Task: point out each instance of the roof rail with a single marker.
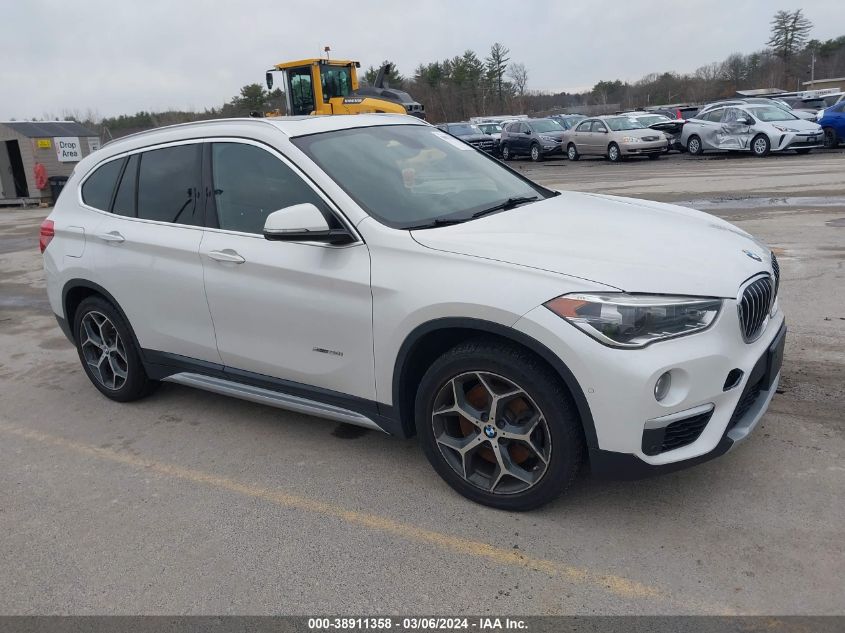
(186, 124)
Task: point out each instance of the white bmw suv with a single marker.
(376, 271)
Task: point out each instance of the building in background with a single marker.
(56, 145)
(833, 84)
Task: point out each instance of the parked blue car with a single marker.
(833, 124)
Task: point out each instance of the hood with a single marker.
(632, 245)
(475, 138)
(670, 127)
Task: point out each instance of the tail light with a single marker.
(47, 233)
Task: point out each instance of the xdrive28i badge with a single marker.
(753, 255)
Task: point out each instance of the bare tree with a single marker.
(518, 74)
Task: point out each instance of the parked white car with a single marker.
(376, 271)
(759, 129)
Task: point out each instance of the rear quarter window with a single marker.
(98, 187)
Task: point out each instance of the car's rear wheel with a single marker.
(694, 146)
(831, 140)
(572, 152)
(498, 426)
(760, 145)
(506, 152)
(535, 153)
(108, 354)
(614, 153)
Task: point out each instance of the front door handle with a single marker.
(112, 236)
(226, 255)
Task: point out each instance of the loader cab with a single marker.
(311, 84)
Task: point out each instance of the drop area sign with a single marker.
(68, 149)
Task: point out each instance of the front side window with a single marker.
(598, 126)
(414, 175)
(584, 126)
(99, 186)
(336, 81)
(168, 184)
(250, 183)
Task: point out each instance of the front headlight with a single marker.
(634, 321)
(631, 139)
(548, 139)
(784, 129)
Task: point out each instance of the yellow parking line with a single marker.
(611, 583)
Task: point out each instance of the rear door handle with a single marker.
(112, 236)
(226, 255)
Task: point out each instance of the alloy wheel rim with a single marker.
(535, 152)
(614, 153)
(693, 146)
(491, 432)
(506, 152)
(760, 146)
(572, 153)
(103, 350)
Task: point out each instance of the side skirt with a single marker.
(274, 392)
(273, 399)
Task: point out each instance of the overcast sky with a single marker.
(117, 57)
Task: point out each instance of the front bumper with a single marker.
(618, 388)
(801, 140)
(551, 148)
(643, 149)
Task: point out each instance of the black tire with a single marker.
(135, 384)
(614, 153)
(572, 152)
(694, 145)
(831, 139)
(506, 152)
(535, 153)
(760, 146)
(540, 384)
(804, 150)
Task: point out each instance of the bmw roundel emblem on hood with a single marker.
(753, 255)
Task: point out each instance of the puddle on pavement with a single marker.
(836, 222)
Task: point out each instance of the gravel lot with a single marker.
(191, 503)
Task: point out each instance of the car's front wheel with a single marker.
(694, 146)
(536, 154)
(498, 426)
(108, 354)
(506, 152)
(760, 145)
(831, 141)
(613, 153)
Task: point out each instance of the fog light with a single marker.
(661, 387)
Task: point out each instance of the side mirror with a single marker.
(303, 223)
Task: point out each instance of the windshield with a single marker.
(771, 113)
(617, 124)
(545, 125)
(490, 128)
(831, 100)
(463, 129)
(413, 175)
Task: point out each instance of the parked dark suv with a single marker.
(536, 138)
(472, 134)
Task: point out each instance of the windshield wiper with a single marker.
(510, 203)
(437, 222)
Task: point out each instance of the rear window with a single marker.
(168, 185)
(98, 188)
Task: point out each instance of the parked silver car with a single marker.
(616, 137)
(758, 129)
(807, 115)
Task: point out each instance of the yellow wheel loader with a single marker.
(322, 86)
